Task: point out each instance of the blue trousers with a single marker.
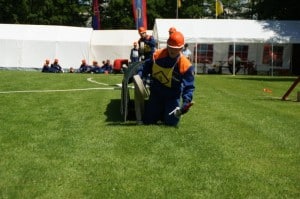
(158, 109)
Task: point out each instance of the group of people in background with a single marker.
(106, 67)
(52, 68)
(84, 67)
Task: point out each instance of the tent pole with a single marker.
(176, 9)
(272, 61)
(233, 59)
(196, 59)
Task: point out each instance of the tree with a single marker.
(117, 15)
(276, 9)
(54, 12)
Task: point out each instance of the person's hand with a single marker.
(186, 107)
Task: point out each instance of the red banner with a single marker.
(96, 15)
(140, 13)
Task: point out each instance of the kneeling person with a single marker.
(171, 83)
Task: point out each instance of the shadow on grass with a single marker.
(270, 79)
(114, 116)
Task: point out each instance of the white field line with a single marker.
(93, 81)
(118, 85)
(66, 90)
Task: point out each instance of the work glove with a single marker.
(186, 107)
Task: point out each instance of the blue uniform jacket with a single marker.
(176, 82)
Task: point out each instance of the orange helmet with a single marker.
(172, 30)
(176, 40)
(142, 30)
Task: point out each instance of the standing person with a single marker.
(186, 52)
(146, 44)
(134, 53)
(171, 85)
(46, 66)
(55, 67)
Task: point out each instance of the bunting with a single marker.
(140, 13)
(96, 15)
(219, 8)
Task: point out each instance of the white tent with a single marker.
(229, 30)
(233, 31)
(113, 44)
(27, 46)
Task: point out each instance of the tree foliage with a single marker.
(118, 14)
(276, 9)
(54, 12)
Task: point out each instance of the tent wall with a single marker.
(255, 53)
(113, 44)
(27, 46)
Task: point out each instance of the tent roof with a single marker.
(68, 33)
(229, 30)
(115, 37)
(44, 33)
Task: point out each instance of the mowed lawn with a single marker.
(62, 136)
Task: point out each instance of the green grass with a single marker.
(236, 142)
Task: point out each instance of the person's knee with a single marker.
(171, 120)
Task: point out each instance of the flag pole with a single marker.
(216, 10)
(176, 9)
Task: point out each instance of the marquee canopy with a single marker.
(112, 44)
(229, 30)
(27, 46)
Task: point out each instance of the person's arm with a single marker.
(150, 41)
(188, 89)
(131, 54)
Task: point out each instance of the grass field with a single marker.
(237, 141)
